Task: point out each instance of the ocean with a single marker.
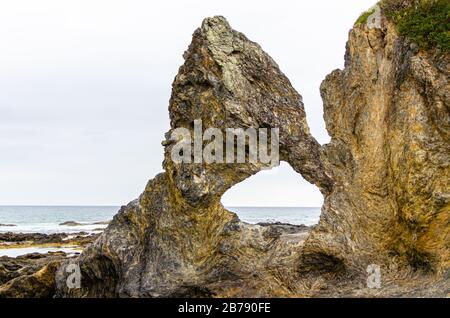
(48, 219)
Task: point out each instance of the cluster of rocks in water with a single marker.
(33, 274)
(36, 239)
(74, 223)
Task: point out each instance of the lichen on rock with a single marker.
(387, 114)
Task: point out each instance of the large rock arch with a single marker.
(178, 240)
(177, 236)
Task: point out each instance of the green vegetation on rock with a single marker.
(425, 22)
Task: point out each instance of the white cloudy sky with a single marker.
(84, 90)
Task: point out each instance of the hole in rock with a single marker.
(277, 195)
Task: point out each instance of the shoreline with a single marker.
(41, 243)
(19, 244)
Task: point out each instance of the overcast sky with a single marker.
(85, 85)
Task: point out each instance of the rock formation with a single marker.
(384, 176)
(388, 116)
(177, 239)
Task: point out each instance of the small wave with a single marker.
(52, 228)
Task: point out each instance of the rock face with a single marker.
(384, 177)
(11, 239)
(388, 115)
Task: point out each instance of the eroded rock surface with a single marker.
(384, 177)
(30, 275)
(388, 115)
(177, 239)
